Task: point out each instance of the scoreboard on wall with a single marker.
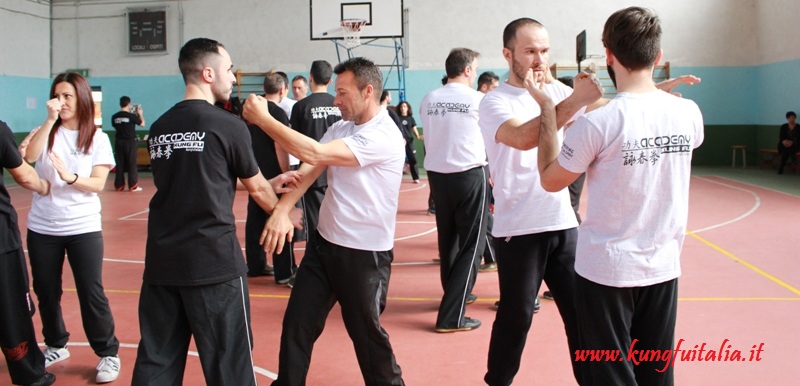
(147, 31)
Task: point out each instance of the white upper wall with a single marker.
(779, 30)
(25, 43)
(263, 34)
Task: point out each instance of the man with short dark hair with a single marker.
(299, 87)
(24, 360)
(312, 117)
(125, 144)
(455, 160)
(628, 250)
(488, 81)
(349, 259)
(788, 140)
(194, 283)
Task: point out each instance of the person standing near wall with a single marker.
(75, 157)
(406, 115)
(456, 164)
(125, 145)
(628, 252)
(788, 140)
(17, 336)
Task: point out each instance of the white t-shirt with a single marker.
(360, 206)
(521, 205)
(636, 152)
(67, 210)
(453, 141)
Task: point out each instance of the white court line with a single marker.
(124, 261)
(752, 210)
(421, 186)
(128, 217)
(259, 370)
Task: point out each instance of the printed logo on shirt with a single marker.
(358, 138)
(324, 112)
(166, 144)
(122, 120)
(441, 108)
(651, 149)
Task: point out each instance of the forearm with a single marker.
(86, 183)
(27, 178)
(548, 137)
(303, 147)
(38, 141)
(264, 196)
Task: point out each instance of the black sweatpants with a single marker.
(358, 280)
(461, 209)
(217, 315)
(256, 258)
(85, 255)
(17, 337)
(125, 155)
(611, 318)
(411, 158)
(312, 201)
(522, 263)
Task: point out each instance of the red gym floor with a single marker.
(740, 287)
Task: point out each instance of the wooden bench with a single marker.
(771, 159)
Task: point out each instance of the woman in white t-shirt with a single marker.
(76, 158)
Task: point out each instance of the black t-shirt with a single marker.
(312, 116)
(9, 159)
(408, 123)
(396, 119)
(125, 124)
(264, 145)
(197, 152)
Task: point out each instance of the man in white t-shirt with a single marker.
(534, 231)
(349, 260)
(456, 163)
(636, 152)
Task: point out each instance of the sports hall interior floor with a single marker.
(740, 287)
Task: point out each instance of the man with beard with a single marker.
(194, 271)
(636, 152)
(534, 231)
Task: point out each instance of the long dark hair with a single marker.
(409, 112)
(85, 110)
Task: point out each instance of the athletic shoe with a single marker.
(54, 354)
(108, 369)
(468, 325)
(490, 267)
(547, 295)
(416, 181)
(290, 283)
(137, 189)
(471, 298)
(46, 380)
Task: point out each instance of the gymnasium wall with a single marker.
(745, 51)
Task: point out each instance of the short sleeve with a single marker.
(375, 144)
(102, 155)
(8, 148)
(580, 147)
(493, 112)
(241, 157)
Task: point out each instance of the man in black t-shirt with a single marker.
(272, 160)
(312, 116)
(124, 123)
(17, 335)
(194, 271)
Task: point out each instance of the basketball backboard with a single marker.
(384, 18)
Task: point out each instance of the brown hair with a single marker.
(633, 35)
(85, 110)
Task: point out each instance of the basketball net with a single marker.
(352, 32)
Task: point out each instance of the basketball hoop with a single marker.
(352, 32)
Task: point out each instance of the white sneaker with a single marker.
(108, 369)
(137, 189)
(54, 354)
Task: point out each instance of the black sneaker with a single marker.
(46, 380)
(471, 298)
(468, 325)
(547, 295)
